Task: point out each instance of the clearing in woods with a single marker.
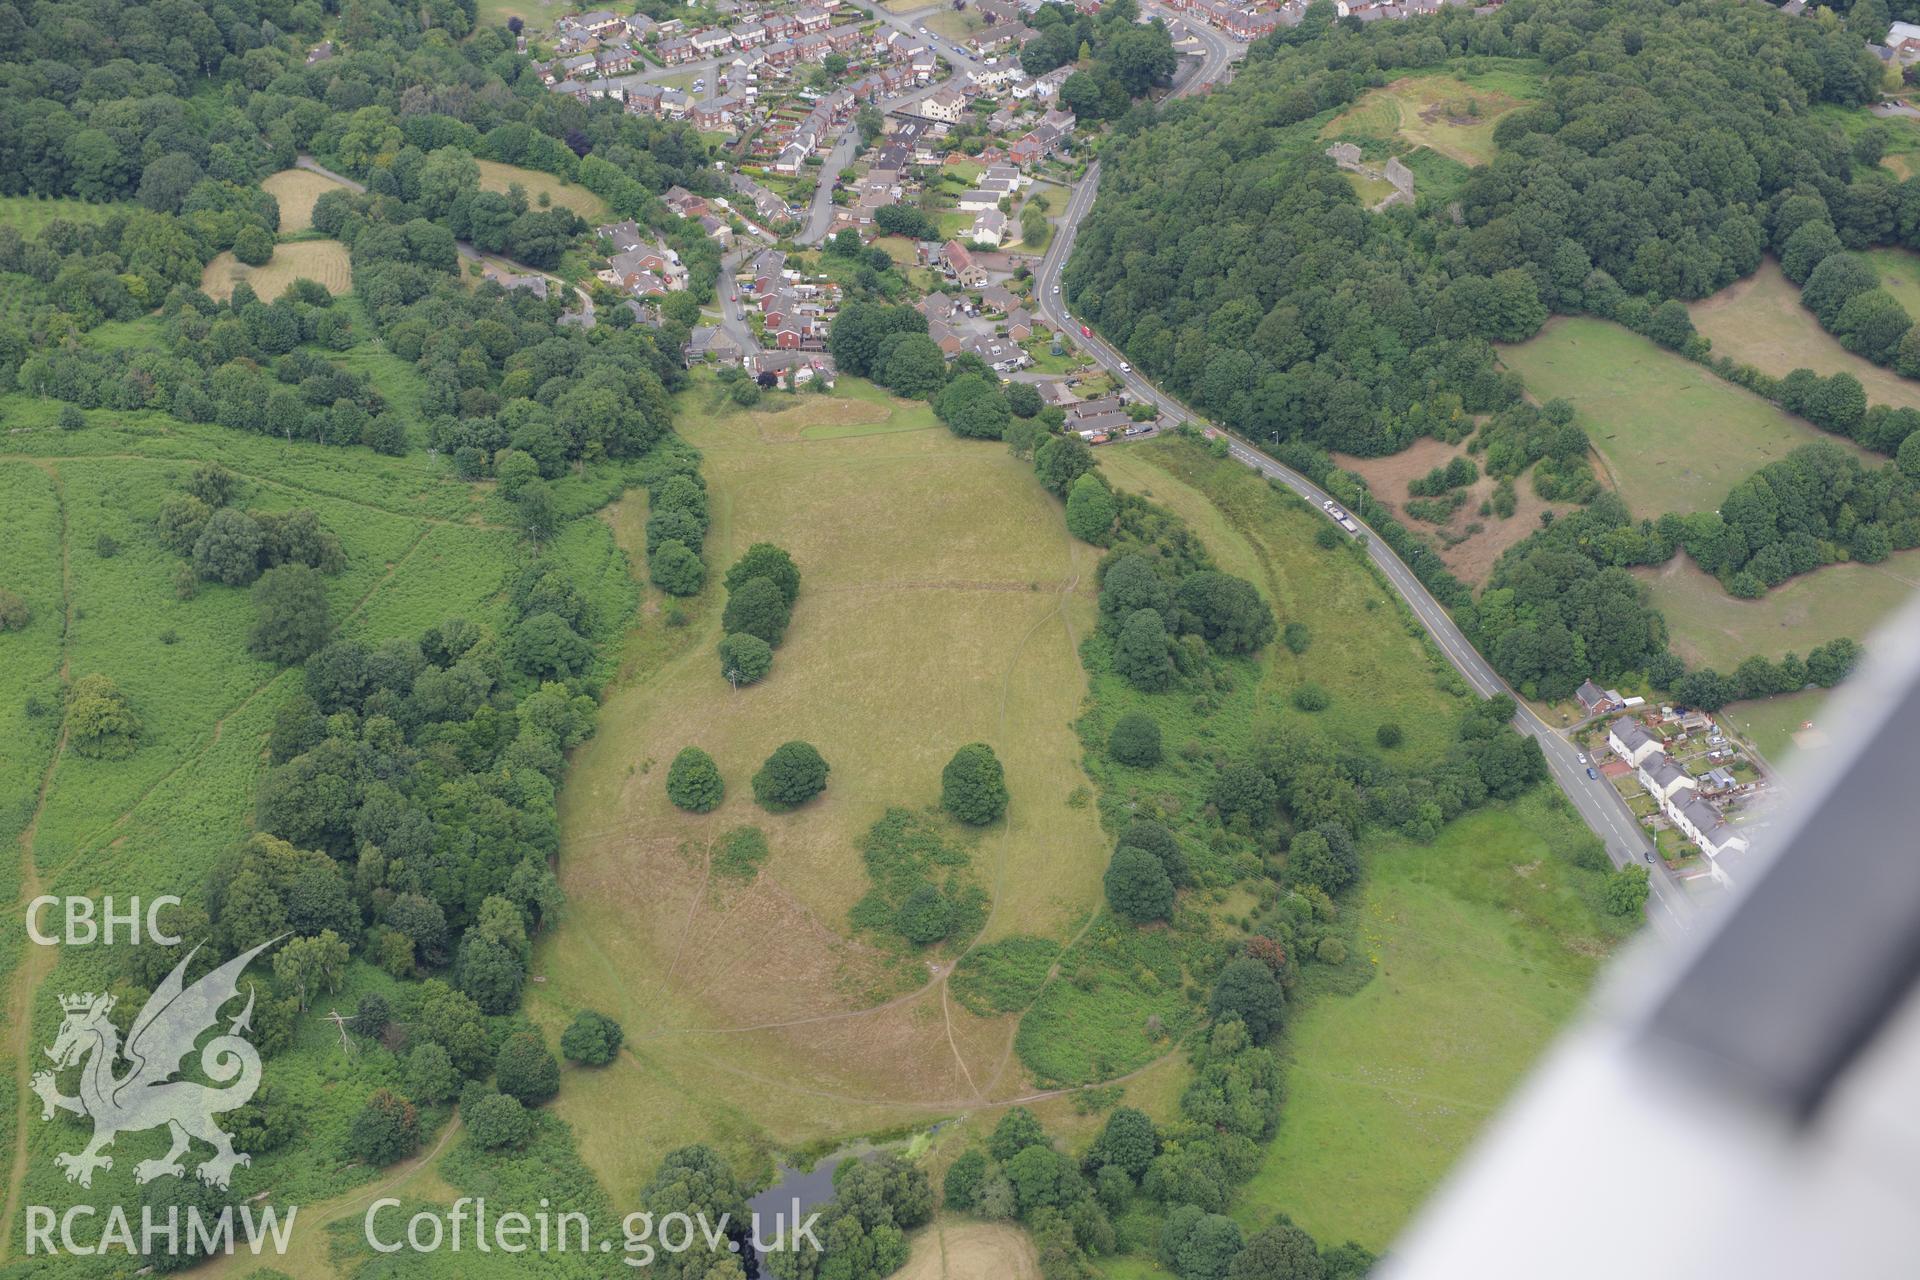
(322, 261)
(942, 603)
(1674, 436)
(1759, 321)
(1454, 116)
(1712, 628)
(495, 176)
(957, 1249)
(296, 190)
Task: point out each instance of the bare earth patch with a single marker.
(1471, 559)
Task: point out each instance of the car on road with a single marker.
(921, 30)
(1056, 288)
(1593, 773)
(1125, 367)
(1085, 332)
(1583, 757)
(1647, 854)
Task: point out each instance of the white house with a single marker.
(1664, 779)
(945, 106)
(1630, 740)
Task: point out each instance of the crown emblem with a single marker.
(84, 1001)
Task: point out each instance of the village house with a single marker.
(614, 60)
(1903, 41)
(717, 230)
(683, 202)
(767, 206)
(710, 43)
(978, 201)
(944, 105)
(1000, 354)
(1631, 741)
(959, 263)
(990, 228)
(710, 342)
(1664, 777)
(533, 284)
(675, 51)
(1045, 85)
(998, 298)
(636, 263)
(1594, 700)
(995, 80)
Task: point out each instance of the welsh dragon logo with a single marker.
(146, 1096)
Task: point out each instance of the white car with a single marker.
(1056, 288)
(1583, 757)
(1125, 367)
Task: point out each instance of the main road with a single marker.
(1669, 907)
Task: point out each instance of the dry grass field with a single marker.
(323, 261)
(495, 176)
(1454, 117)
(943, 602)
(961, 1250)
(296, 190)
(1759, 321)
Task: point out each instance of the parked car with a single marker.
(1085, 332)
(1591, 773)
(1583, 757)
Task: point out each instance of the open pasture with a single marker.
(1673, 436)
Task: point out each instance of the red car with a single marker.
(1085, 332)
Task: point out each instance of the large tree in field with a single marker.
(764, 560)
(794, 774)
(693, 781)
(973, 786)
(757, 607)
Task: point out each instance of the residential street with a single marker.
(1669, 907)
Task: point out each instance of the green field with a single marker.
(1711, 628)
(417, 552)
(1783, 727)
(1361, 652)
(1673, 436)
(28, 214)
(1759, 321)
(1484, 944)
